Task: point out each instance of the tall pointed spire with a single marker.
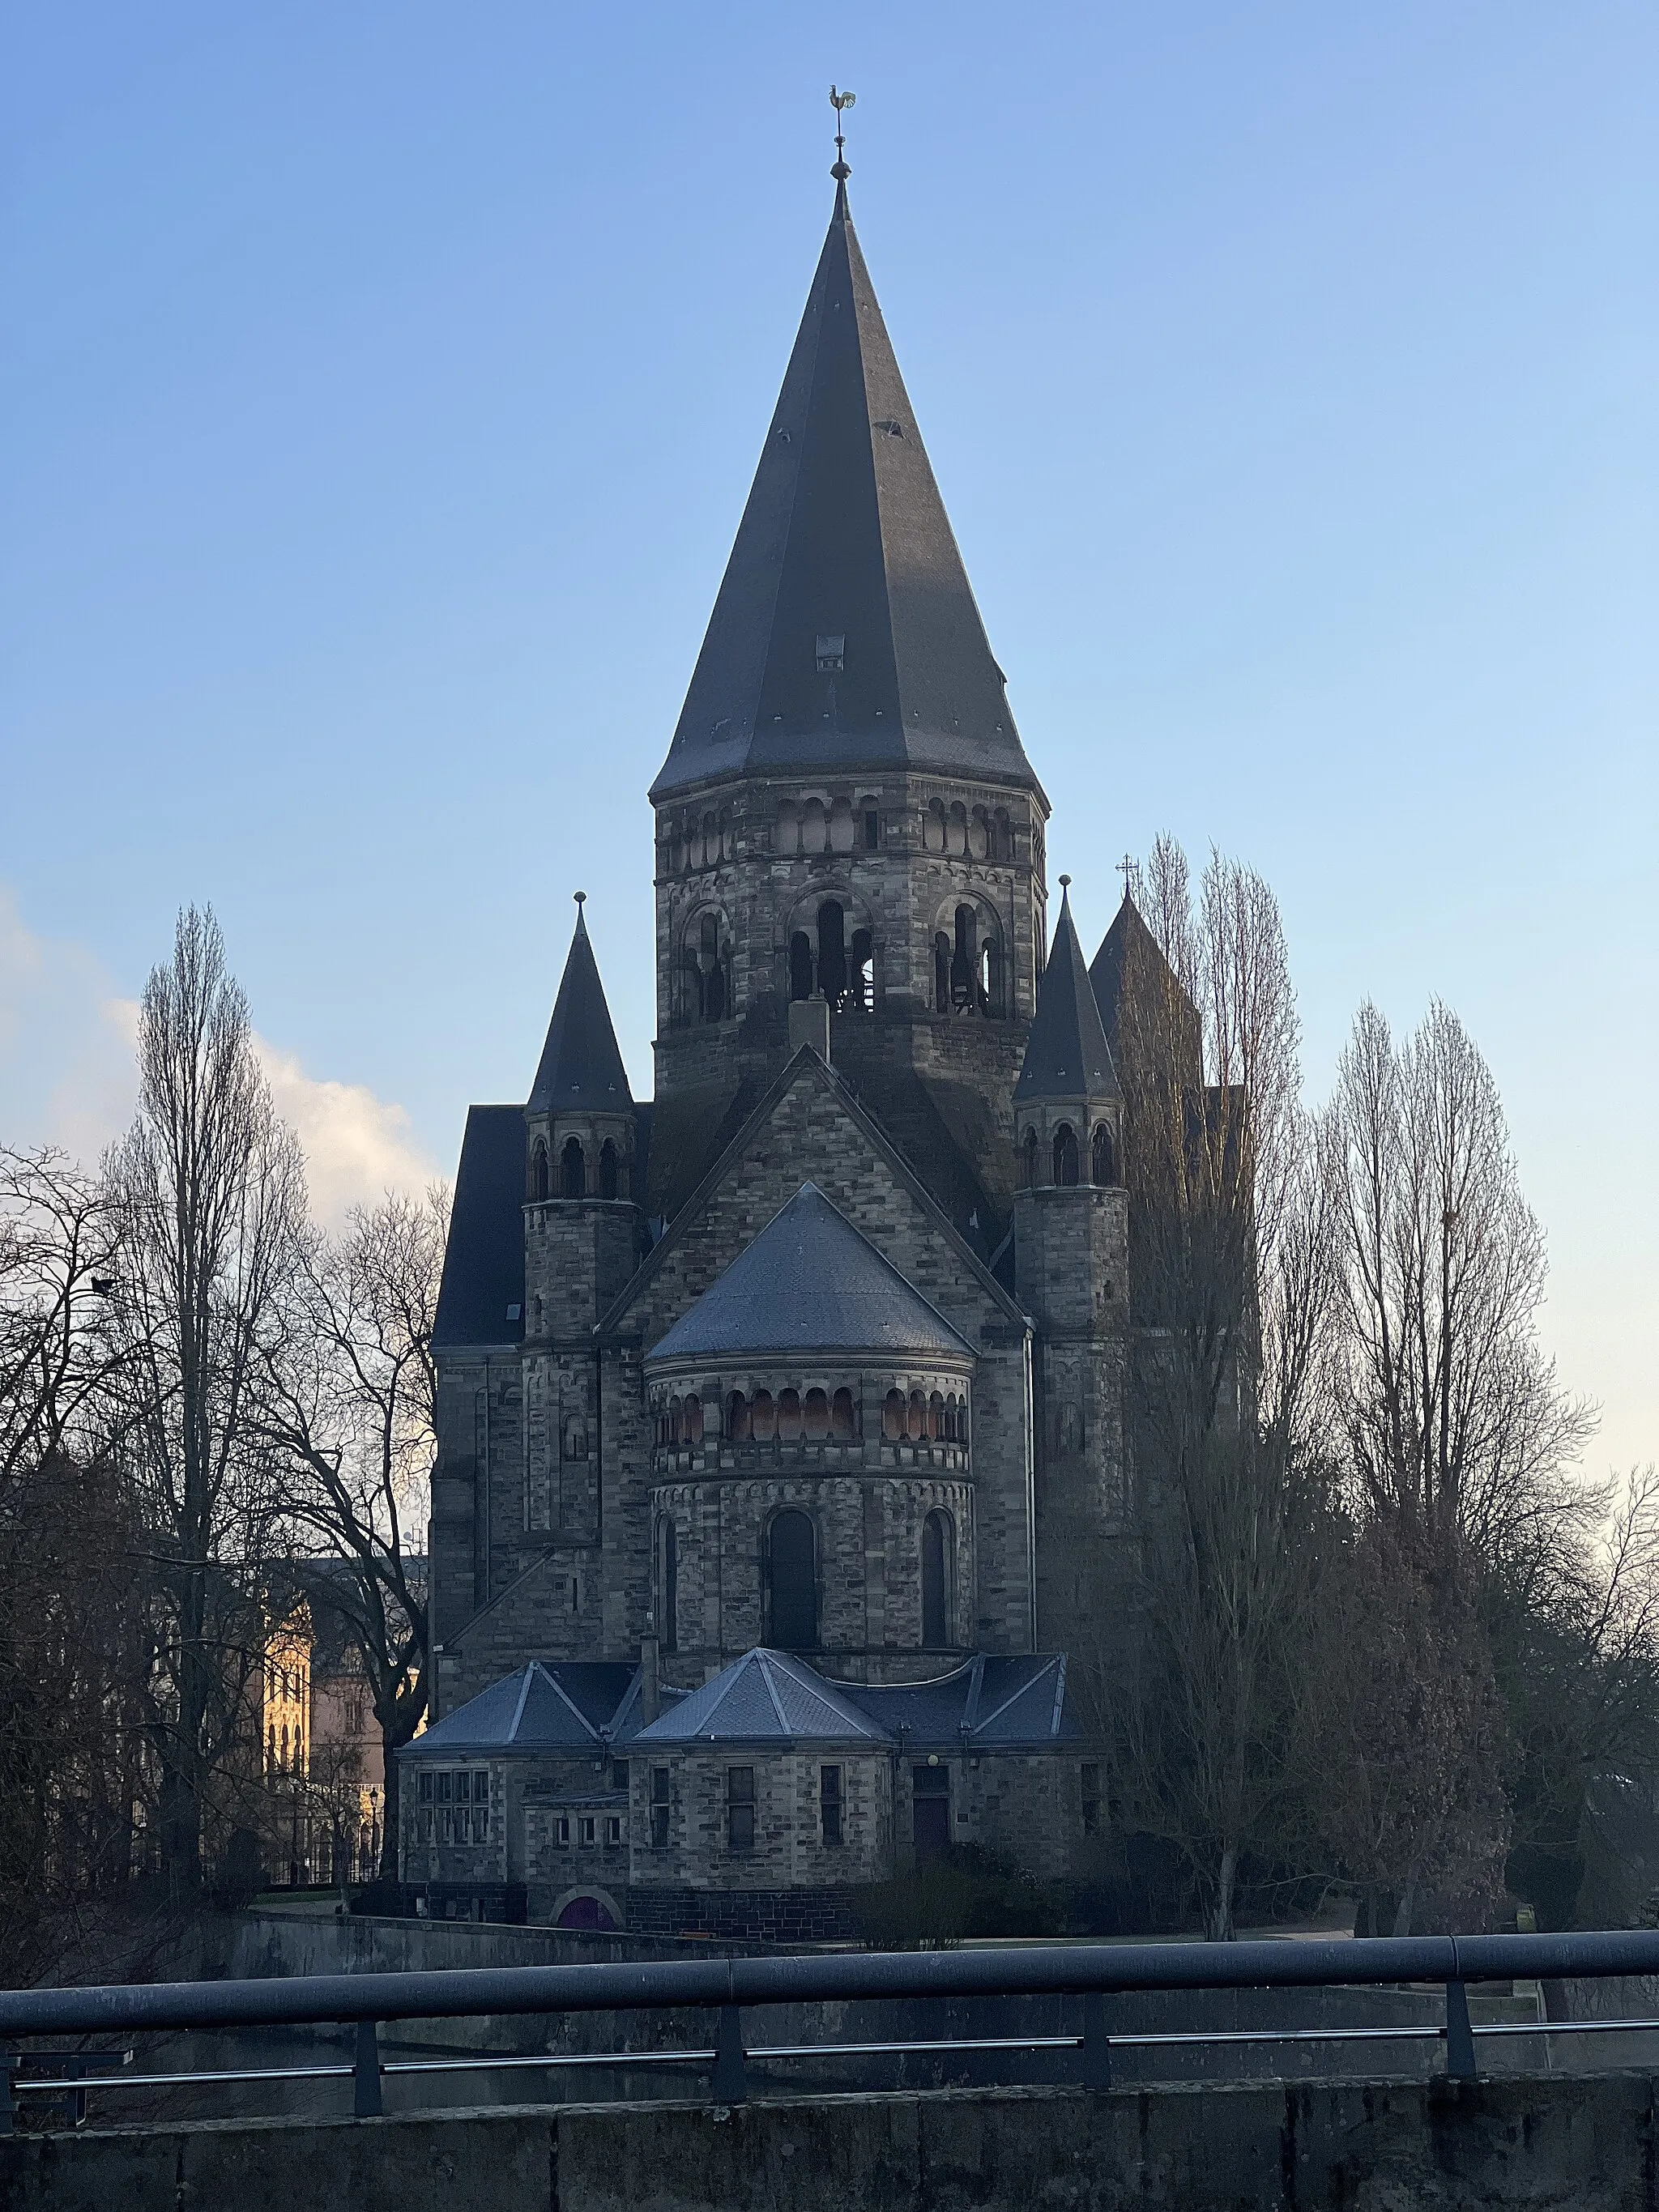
(845, 635)
(1066, 1055)
(1129, 954)
(581, 1066)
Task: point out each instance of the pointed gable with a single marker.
(809, 1281)
(1127, 949)
(581, 1067)
(1066, 1055)
(845, 633)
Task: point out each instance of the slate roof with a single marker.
(579, 1706)
(484, 1264)
(1066, 1055)
(1128, 942)
(844, 555)
(810, 1282)
(580, 1064)
(766, 1697)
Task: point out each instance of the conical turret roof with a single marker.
(845, 635)
(1066, 1055)
(581, 1066)
(810, 1282)
(1129, 946)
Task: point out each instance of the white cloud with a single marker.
(67, 1076)
(357, 1146)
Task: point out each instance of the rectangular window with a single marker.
(445, 1788)
(740, 1808)
(659, 1806)
(830, 1802)
(445, 1825)
(481, 1806)
(426, 1789)
(585, 1828)
(930, 1810)
(1090, 1775)
(562, 1830)
(872, 831)
(612, 1830)
(426, 1823)
(463, 1789)
(619, 1774)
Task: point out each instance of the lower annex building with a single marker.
(781, 1421)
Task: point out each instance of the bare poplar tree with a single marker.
(1230, 1252)
(351, 1406)
(211, 1191)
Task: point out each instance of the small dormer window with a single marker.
(888, 429)
(832, 654)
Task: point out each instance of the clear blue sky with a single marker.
(381, 386)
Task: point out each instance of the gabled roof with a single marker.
(766, 1697)
(1128, 944)
(804, 1067)
(845, 633)
(480, 1297)
(580, 1064)
(583, 1706)
(810, 1282)
(1066, 1055)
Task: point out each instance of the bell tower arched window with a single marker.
(610, 1170)
(1065, 1160)
(964, 959)
(832, 951)
(669, 1567)
(800, 965)
(538, 1170)
(792, 1581)
(1028, 1160)
(573, 1170)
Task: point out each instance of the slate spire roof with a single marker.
(1066, 1055)
(845, 635)
(581, 1066)
(810, 1282)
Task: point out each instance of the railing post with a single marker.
(731, 2062)
(1460, 2036)
(366, 2073)
(1097, 2055)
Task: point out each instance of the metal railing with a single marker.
(729, 1987)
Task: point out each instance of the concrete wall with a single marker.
(1588, 2144)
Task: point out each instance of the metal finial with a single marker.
(1126, 868)
(581, 897)
(839, 101)
(1065, 882)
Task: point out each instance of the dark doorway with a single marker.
(930, 1788)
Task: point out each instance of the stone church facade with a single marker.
(778, 1416)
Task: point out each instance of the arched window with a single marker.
(1002, 843)
(675, 1415)
(737, 1418)
(763, 1418)
(539, 1175)
(789, 1420)
(1029, 1160)
(1101, 1164)
(573, 1168)
(915, 1417)
(669, 1607)
(955, 829)
(932, 827)
(936, 1565)
(800, 965)
(941, 974)
(841, 1414)
(861, 985)
(792, 1581)
(832, 951)
(712, 967)
(693, 1420)
(1068, 1431)
(817, 1412)
(936, 1416)
(892, 1416)
(964, 959)
(990, 978)
(786, 838)
(979, 834)
(1066, 1154)
(610, 1170)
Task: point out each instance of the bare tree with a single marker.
(59, 1253)
(1457, 1427)
(351, 1405)
(1229, 1253)
(212, 1192)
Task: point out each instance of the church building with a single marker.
(779, 1415)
